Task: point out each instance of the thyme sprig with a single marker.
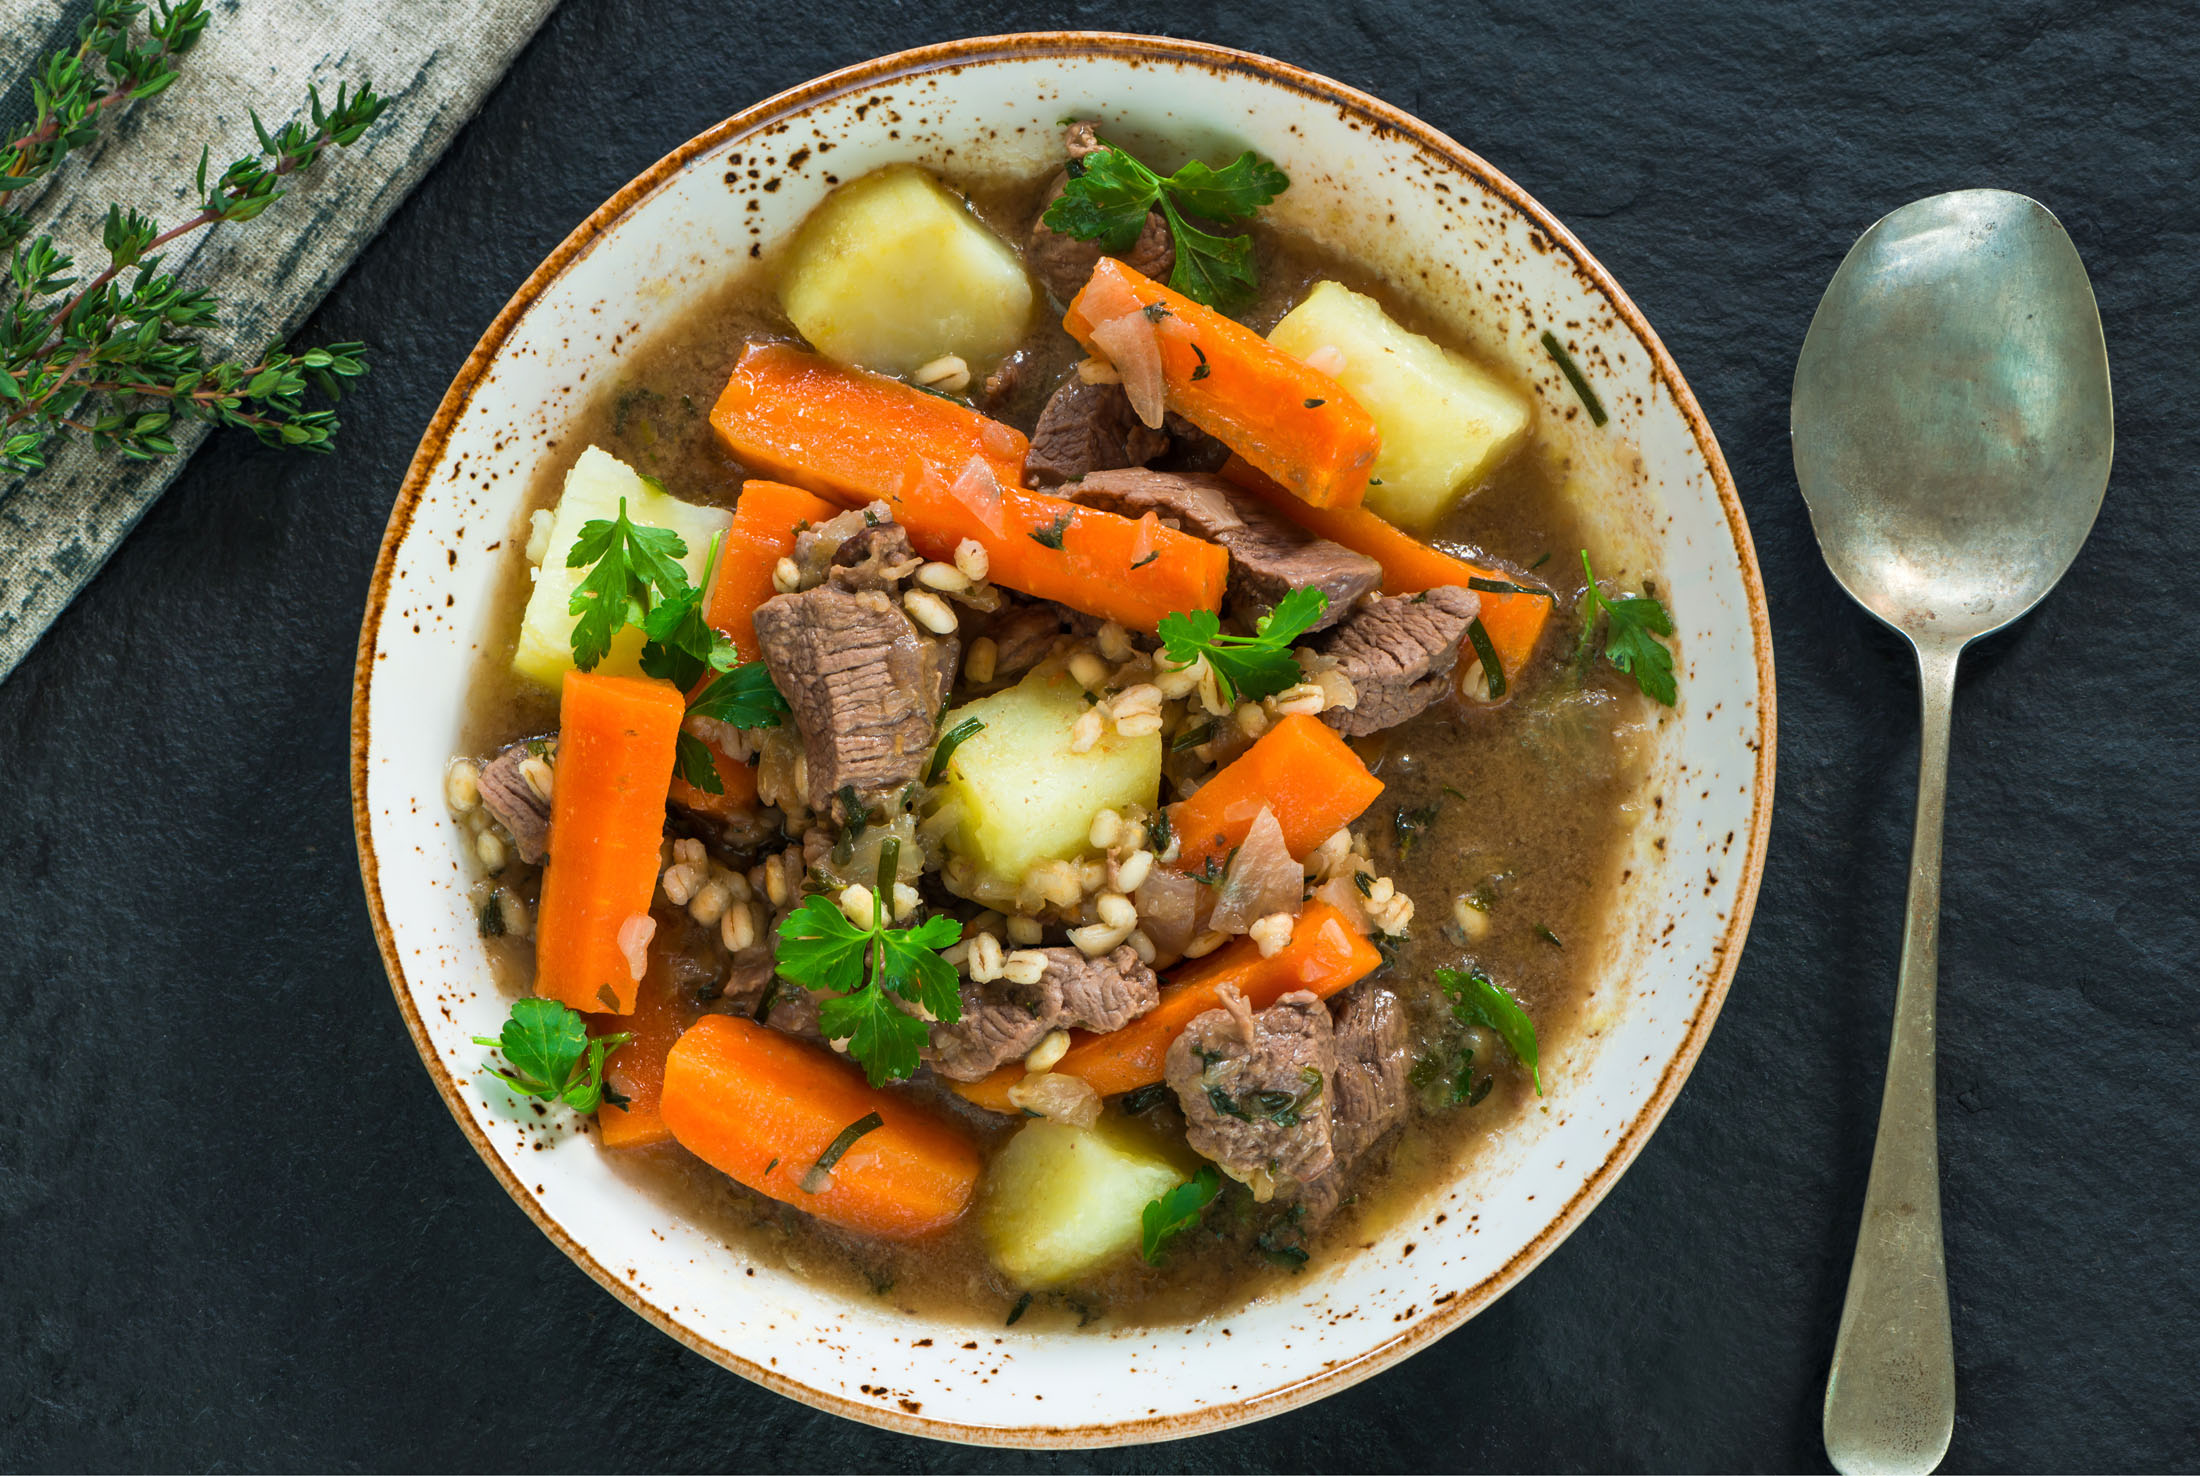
(105, 356)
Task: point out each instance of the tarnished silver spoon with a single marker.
(1952, 432)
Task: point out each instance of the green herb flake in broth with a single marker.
(1015, 1313)
(1476, 1000)
(1146, 1098)
(1169, 1215)
(1547, 935)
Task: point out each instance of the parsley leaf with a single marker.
(547, 1045)
(1248, 667)
(631, 560)
(742, 695)
(1175, 1212)
(1476, 1000)
(1632, 624)
(819, 948)
(1109, 193)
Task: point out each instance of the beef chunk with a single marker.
(875, 556)
(1062, 263)
(1269, 555)
(1001, 1021)
(1399, 653)
(1023, 634)
(1373, 1057)
(1101, 994)
(865, 684)
(793, 1010)
(512, 802)
(1190, 448)
(1255, 1091)
(1087, 428)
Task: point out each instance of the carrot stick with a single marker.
(858, 437)
(1514, 621)
(850, 434)
(766, 518)
(1300, 769)
(637, 1068)
(1296, 424)
(1325, 954)
(764, 1107)
(607, 814)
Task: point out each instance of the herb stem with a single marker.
(1575, 377)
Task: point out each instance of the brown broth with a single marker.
(1529, 799)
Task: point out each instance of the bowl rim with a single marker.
(1381, 118)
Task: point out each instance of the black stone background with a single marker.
(238, 1228)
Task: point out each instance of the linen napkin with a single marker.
(435, 59)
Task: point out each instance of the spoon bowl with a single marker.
(1952, 431)
(1951, 419)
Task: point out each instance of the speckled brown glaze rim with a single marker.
(1381, 117)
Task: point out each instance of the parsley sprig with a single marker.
(874, 970)
(635, 578)
(1109, 194)
(1248, 667)
(551, 1055)
(108, 356)
(1173, 1213)
(1476, 1000)
(1632, 625)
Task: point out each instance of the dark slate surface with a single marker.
(238, 1226)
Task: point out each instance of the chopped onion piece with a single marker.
(1131, 347)
(1142, 547)
(1263, 879)
(977, 490)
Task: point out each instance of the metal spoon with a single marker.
(1952, 434)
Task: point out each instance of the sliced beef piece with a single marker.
(865, 684)
(512, 802)
(1399, 653)
(875, 556)
(1023, 634)
(1062, 263)
(1001, 1021)
(1087, 428)
(1269, 555)
(1203, 506)
(1255, 1089)
(748, 974)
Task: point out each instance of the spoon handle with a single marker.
(1891, 1396)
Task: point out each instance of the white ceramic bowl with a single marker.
(1448, 230)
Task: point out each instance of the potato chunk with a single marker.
(1059, 1200)
(592, 491)
(1024, 795)
(1446, 422)
(893, 271)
